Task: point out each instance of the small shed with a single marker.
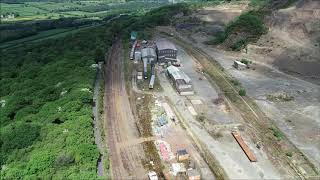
(239, 65)
(182, 155)
(133, 35)
(193, 174)
(139, 75)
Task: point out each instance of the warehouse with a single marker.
(148, 56)
(180, 80)
(166, 51)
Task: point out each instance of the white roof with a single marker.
(164, 44)
(148, 52)
(240, 63)
(152, 80)
(153, 175)
(177, 74)
(177, 167)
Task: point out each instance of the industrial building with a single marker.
(167, 52)
(180, 80)
(182, 155)
(148, 56)
(193, 174)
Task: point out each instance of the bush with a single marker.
(220, 37)
(235, 82)
(289, 154)
(19, 135)
(277, 133)
(245, 61)
(238, 45)
(201, 118)
(242, 92)
(64, 159)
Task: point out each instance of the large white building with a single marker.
(181, 81)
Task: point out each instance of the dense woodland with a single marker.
(46, 93)
(9, 32)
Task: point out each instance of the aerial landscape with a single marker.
(160, 89)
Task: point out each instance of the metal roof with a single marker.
(164, 44)
(177, 74)
(182, 152)
(148, 52)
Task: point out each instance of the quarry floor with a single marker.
(298, 119)
(219, 119)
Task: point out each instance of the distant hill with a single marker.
(23, 1)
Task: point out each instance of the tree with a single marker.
(99, 55)
(242, 92)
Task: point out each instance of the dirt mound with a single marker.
(293, 40)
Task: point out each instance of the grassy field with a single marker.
(52, 10)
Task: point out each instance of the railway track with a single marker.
(125, 161)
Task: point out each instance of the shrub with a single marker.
(289, 154)
(242, 92)
(238, 45)
(64, 159)
(277, 133)
(219, 38)
(201, 118)
(245, 61)
(19, 135)
(235, 82)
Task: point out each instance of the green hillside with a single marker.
(46, 96)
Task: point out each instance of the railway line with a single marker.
(120, 123)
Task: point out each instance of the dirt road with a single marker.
(96, 123)
(120, 124)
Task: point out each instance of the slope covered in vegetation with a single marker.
(250, 25)
(46, 107)
(46, 100)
